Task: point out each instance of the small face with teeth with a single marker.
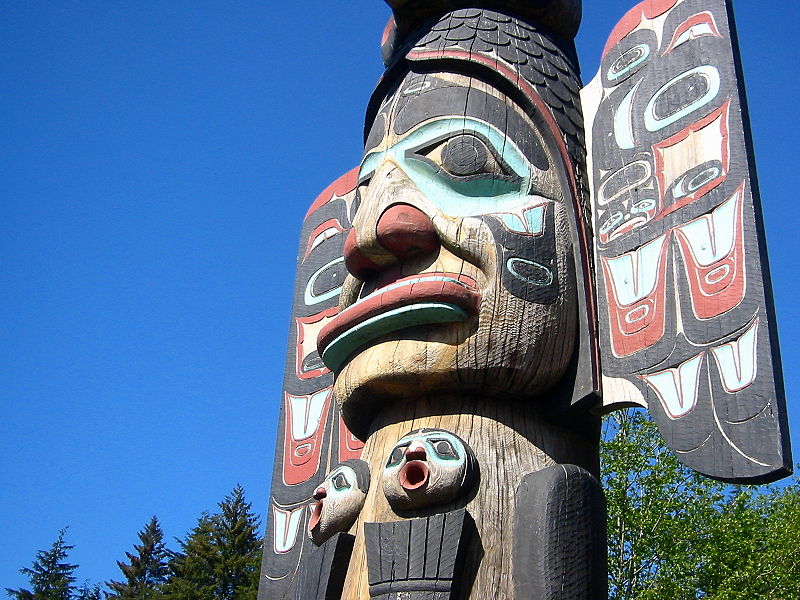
(339, 500)
(427, 468)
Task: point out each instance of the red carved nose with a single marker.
(405, 230)
(358, 263)
(320, 493)
(402, 230)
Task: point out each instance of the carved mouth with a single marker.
(417, 300)
(413, 475)
(316, 515)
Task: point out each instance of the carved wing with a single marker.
(686, 321)
(311, 435)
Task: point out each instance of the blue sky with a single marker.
(157, 160)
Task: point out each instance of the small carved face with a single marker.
(426, 468)
(339, 500)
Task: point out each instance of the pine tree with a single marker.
(146, 570)
(191, 570)
(221, 557)
(50, 576)
(236, 535)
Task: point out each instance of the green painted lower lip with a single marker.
(424, 313)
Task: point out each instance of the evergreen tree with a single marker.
(192, 569)
(239, 545)
(50, 576)
(146, 570)
(220, 559)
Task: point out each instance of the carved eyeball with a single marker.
(339, 499)
(428, 467)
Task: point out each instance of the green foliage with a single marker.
(220, 559)
(146, 570)
(50, 576)
(675, 535)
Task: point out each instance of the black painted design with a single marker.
(300, 464)
(416, 559)
(560, 536)
(685, 308)
(323, 571)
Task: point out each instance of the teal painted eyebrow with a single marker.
(475, 197)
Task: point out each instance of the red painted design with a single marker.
(305, 344)
(303, 435)
(640, 324)
(462, 292)
(719, 286)
(387, 30)
(321, 229)
(721, 115)
(699, 19)
(345, 184)
(349, 445)
(649, 9)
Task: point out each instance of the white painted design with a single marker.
(322, 236)
(692, 33)
(623, 121)
(640, 53)
(737, 360)
(634, 275)
(677, 388)
(309, 297)
(708, 72)
(286, 526)
(307, 413)
(628, 172)
(712, 236)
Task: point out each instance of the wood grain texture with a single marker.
(560, 536)
(509, 440)
(687, 325)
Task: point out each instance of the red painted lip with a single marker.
(316, 515)
(460, 290)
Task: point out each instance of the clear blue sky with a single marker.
(157, 159)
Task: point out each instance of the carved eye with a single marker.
(465, 155)
(340, 482)
(445, 449)
(396, 457)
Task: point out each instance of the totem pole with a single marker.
(474, 295)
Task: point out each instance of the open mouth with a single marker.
(316, 515)
(416, 300)
(413, 475)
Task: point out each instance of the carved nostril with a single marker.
(355, 260)
(405, 230)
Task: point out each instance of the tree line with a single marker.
(219, 559)
(672, 535)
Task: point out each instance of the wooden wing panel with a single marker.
(686, 321)
(311, 435)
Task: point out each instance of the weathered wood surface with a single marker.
(687, 325)
(453, 283)
(509, 440)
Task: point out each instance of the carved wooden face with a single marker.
(340, 498)
(462, 276)
(428, 467)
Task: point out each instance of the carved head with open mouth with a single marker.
(428, 467)
(462, 276)
(340, 498)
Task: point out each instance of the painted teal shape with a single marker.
(424, 313)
